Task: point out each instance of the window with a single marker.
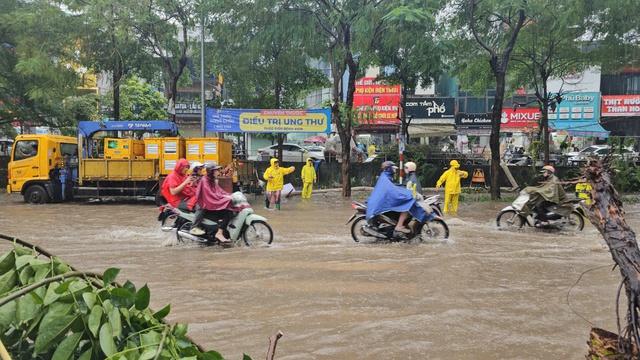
(69, 149)
(25, 149)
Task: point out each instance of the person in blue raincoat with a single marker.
(387, 196)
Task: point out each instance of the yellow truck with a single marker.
(53, 168)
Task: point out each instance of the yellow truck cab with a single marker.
(38, 167)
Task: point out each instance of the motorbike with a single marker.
(435, 202)
(381, 227)
(512, 217)
(244, 227)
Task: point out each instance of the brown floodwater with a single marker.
(482, 294)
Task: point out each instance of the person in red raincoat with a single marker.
(178, 188)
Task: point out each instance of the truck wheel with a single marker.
(36, 195)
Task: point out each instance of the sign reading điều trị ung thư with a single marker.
(268, 120)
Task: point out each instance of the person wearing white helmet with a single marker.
(549, 195)
(412, 182)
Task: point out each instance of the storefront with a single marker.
(576, 118)
(430, 117)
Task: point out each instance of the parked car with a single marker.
(290, 153)
(600, 151)
(314, 148)
(585, 151)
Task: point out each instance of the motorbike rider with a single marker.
(213, 200)
(387, 196)
(548, 196)
(178, 188)
(411, 181)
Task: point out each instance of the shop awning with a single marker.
(427, 130)
(583, 128)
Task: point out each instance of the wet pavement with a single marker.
(482, 294)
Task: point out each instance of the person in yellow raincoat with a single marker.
(452, 188)
(308, 178)
(583, 191)
(275, 181)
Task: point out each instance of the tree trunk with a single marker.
(117, 78)
(173, 94)
(607, 215)
(277, 90)
(494, 139)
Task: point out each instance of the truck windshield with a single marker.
(69, 149)
(25, 149)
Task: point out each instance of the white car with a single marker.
(290, 153)
(600, 151)
(586, 151)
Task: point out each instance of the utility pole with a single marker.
(203, 106)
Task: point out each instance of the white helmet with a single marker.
(410, 166)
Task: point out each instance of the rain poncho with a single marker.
(173, 180)
(452, 178)
(387, 196)
(277, 182)
(308, 173)
(212, 197)
(551, 190)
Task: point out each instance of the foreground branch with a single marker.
(273, 341)
(607, 215)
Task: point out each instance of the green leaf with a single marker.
(37, 298)
(115, 321)
(59, 266)
(95, 319)
(21, 250)
(89, 298)
(7, 261)
(52, 295)
(8, 281)
(26, 275)
(7, 315)
(86, 355)
(39, 262)
(122, 298)
(64, 286)
(67, 347)
(110, 275)
(149, 353)
(129, 286)
(23, 261)
(142, 298)
(160, 314)
(246, 357)
(151, 338)
(27, 309)
(213, 355)
(42, 273)
(107, 344)
(48, 335)
(180, 330)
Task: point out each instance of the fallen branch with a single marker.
(607, 215)
(273, 341)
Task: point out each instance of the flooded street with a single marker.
(483, 294)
